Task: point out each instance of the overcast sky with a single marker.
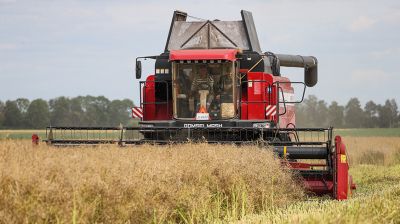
(70, 48)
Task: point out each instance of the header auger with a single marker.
(213, 84)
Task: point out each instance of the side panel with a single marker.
(259, 99)
(342, 170)
(164, 111)
(156, 102)
(148, 91)
(243, 105)
(256, 96)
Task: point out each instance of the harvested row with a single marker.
(377, 200)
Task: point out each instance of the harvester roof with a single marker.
(212, 34)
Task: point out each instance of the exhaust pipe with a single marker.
(309, 63)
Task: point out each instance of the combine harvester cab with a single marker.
(213, 84)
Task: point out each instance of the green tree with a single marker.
(38, 114)
(384, 116)
(1, 114)
(398, 120)
(353, 114)
(310, 110)
(388, 114)
(96, 109)
(335, 115)
(77, 114)
(300, 115)
(119, 112)
(321, 116)
(312, 113)
(394, 115)
(12, 115)
(371, 115)
(60, 111)
(22, 104)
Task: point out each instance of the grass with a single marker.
(188, 184)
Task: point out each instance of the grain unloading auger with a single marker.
(213, 84)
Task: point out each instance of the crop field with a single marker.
(369, 132)
(193, 183)
(21, 134)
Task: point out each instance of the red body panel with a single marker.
(342, 170)
(212, 54)
(164, 111)
(259, 100)
(149, 98)
(35, 139)
(319, 186)
(152, 108)
(340, 184)
(257, 97)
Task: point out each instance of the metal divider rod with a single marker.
(121, 137)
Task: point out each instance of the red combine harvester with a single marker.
(213, 84)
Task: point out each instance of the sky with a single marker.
(70, 48)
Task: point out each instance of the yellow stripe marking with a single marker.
(343, 159)
(284, 151)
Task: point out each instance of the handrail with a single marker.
(245, 134)
(144, 95)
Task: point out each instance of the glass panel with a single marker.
(204, 91)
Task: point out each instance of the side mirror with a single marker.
(138, 69)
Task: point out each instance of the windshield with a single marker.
(204, 91)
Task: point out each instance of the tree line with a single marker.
(314, 112)
(100, 111)
(63, 111)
